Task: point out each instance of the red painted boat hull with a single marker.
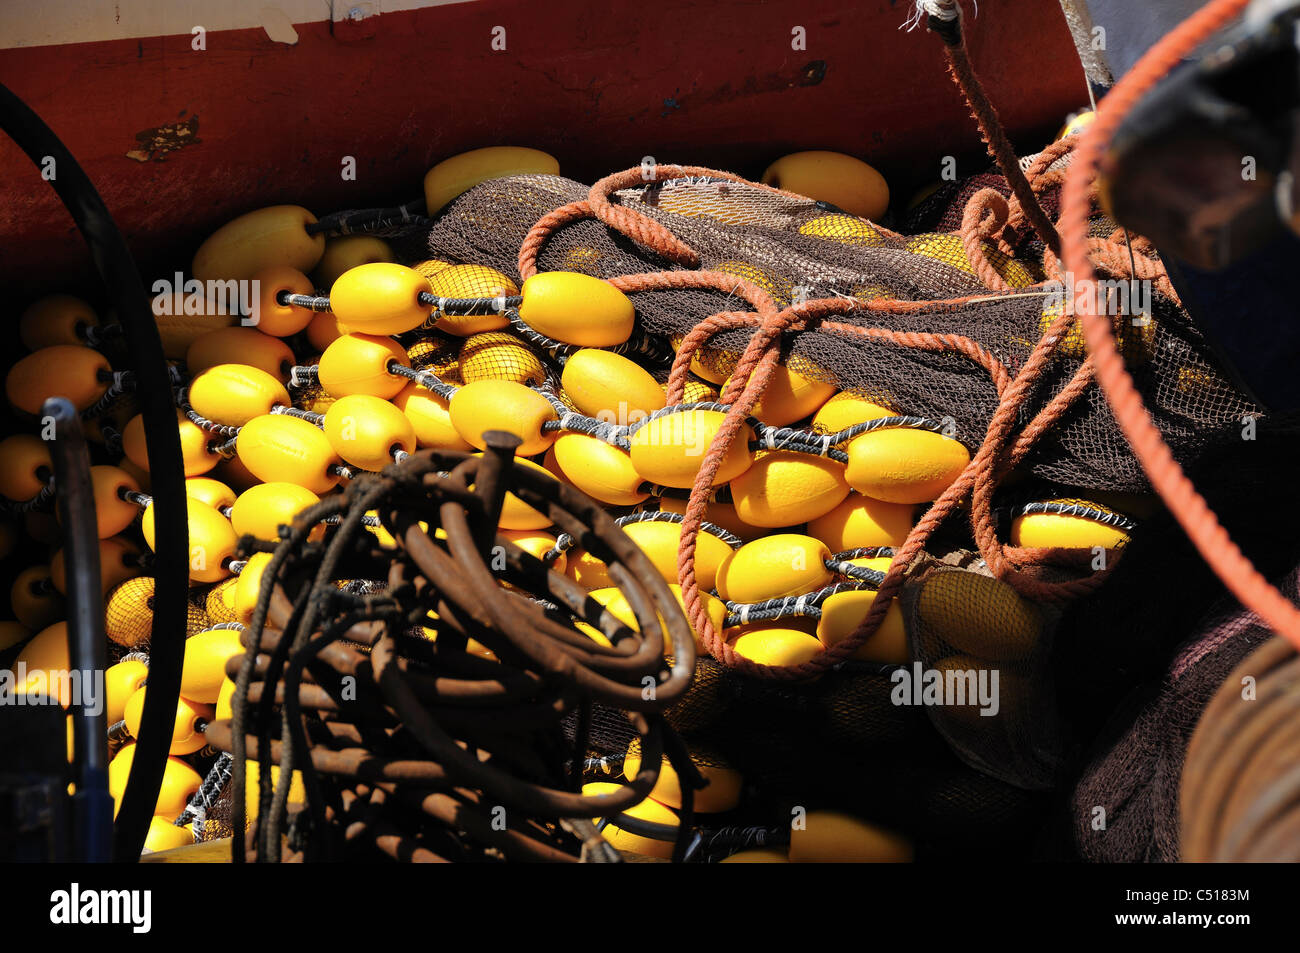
(249, 122)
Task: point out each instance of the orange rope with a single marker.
(1166, 476)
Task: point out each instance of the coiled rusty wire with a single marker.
(1240, 790)
(419, 748)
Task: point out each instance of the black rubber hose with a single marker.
(167, 476)
(92, 805)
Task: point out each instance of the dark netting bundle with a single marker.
(796, 248)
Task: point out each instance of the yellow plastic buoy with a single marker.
(710, 363)
(790, 396)
(471, 281)
(187, 729)
(55, 319)
(695, 391)
(861, 522)
(219, 606)
(1071, 524)
(721, 515)
(119, 560)
(198, 453)
(846, 409)
(785, 564)
(601, 470)
(431, 266)
(781, 289)
(347, 252)
(240, 346)
(13, 633)
(502, 405)
(46, 660)
(721, 794)
(261, 510)
(610, 387)
(128, 613)
(272, 317)
(233, 394)
(212, 540)
(441, 356)
(34, 600)
(64, 370)
(261, 239)
(843, 612)
(365, 431)
(777, 646)
(948, 249)
(206, 654)
(515, 513)
(617, 605)
(225, 697)
(670, 450)
(429, 417)
(121, 681)
(500, 356)
(112, 513)
(786, 488)
(536, 543)
(164, 835)
(904, 465)
(845, 229)
(252, 804)
(832, 837)
(280, 449)
(249, 586)
(179, 782)
(648, 810)
(1076, 124)
(358, 364)
(323, 330)
(25, 466)
(379, 298)
(756, 857)
(660, 540)
(183, 318)
(586, 570)
(842, 180)
(978, 614)
(212, 492)
(457, 175)
(577, 309)
(138, 473)
(233, 473)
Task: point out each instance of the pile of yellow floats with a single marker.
(351, 360)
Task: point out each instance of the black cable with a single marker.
(127, 294)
